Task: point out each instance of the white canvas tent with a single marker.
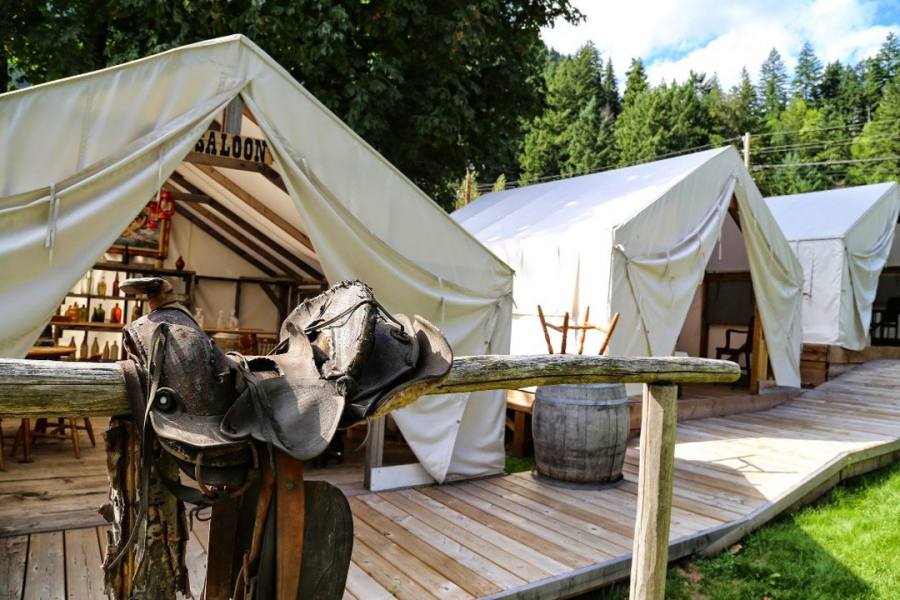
(80, 157)
(636, 241)
(842, 238)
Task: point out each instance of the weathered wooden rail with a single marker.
(39, 388)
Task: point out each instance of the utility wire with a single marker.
(841, 142)
(825, 163)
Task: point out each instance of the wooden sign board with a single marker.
(227, 145)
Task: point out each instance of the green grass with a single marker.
(517, 465)
(845, 546)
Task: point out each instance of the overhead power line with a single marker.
(824, 163)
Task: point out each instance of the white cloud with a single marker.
(721, 36)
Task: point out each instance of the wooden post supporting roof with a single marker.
(759, 355)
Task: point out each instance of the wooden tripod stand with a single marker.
(583, 328)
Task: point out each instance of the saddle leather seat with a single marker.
(341, 358)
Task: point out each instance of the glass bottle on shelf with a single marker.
(138, 310)
(220, 320)
(83, 351)
(95, 349)
(86, 283)
(116, 314)
(74, 348)
(105, 354)
(114, 351)
(101, 314)
(199, 317)
(101, 286)
(115, 287)
(82, 313)
(233, 322)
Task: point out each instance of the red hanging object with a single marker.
(166, 205)
(152, 214)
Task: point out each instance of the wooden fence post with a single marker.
(650, 555)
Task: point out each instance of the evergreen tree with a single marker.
(638, 129)
(878, 70)
(567, 137)
(830, 85)
(807, 75)
(880, 139)
(716, 103)
(635, 81)
(773, 84)
(744, 111)
(611, 98)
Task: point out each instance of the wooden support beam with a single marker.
(255, 203)
(759, 354)
(284, 253)
(273, 297)
(251, 244)
(650, 555)
(35, 388)
(203, 225)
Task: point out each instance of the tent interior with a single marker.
(643, 242)
(255, 235)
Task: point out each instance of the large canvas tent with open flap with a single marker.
(637, 241)
(80, 157)
(842, 239)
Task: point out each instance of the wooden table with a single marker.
(40, 353)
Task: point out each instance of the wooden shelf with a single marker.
(88, 326)
(142, 269)
(98, 297)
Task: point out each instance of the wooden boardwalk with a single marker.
(512, 536)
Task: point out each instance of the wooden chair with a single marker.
(64, 429)
(519, 402)
(733, 352)
(889, 322)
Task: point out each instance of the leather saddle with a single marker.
(341, 359)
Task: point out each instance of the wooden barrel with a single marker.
(580, 432)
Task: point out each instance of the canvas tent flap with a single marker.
(843, 239)
(637, 241)
(116, 133)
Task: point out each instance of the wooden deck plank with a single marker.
(444, 564)
(45, 575)
(397, 583)
(13, 555)
(364, 587)
(565, 550)
(415, 568)
(84, 570)
(504, 556)
(487, 570)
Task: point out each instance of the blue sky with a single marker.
(721, 36)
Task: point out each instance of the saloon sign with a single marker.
(226, 145)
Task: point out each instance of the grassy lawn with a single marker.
(845, 546)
